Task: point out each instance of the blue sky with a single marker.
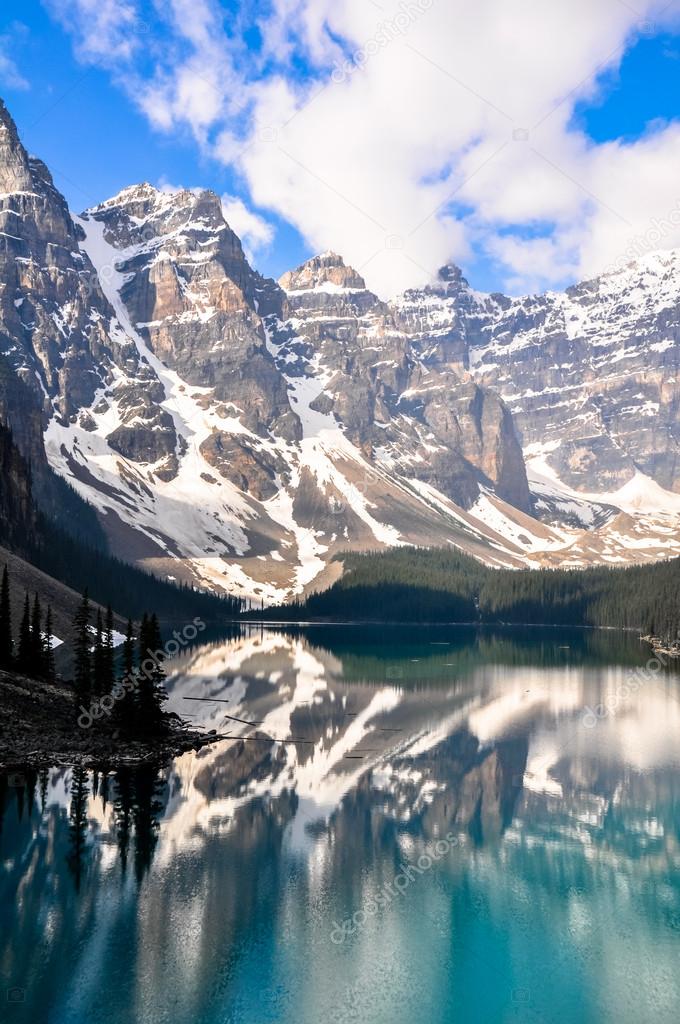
(76, 108)
(95, 141)
(644, 90)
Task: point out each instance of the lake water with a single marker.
(455, 826)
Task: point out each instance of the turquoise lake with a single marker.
(454, 825)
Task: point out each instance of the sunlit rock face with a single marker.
(213, 417)
(239, 433)
(590, 375)
(191, 294)
(58, 333)
(430, 422)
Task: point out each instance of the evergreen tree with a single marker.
(48, 654)
(108, 673)
(98, 657)
(82, 644)
(146, 810)
(37, 646)
(31, 782)
(44, 777)
(151, 692)
(143, 636)
(78, 824)
(24, 654)
(129, 650)
(126, 708)
(122, 809)
(435, 585)
(6, 645)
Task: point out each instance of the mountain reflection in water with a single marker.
(247, 882)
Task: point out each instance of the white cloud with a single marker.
(106, 32)
(255, 232)
(10, 76)
(440, 102)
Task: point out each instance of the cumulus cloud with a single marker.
(414, 132)
(255, 232)
(106, 32)
(10, 76)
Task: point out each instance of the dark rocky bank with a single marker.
(38, 727)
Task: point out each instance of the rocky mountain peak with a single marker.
(321, 271)
(247, 432)
(15, 172)
(451, 276)
(143, 213)
(647, 280)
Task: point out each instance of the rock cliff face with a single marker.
(590, 375)
(239, 433)
(191, 295)
(58, 333)
(433, 423)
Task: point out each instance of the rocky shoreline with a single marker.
(661, 647)
(37, 727)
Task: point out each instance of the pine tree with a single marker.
(159, 676)
(122, 809)
(78, 823)
(82, 644)
(98, 657)
(24, 654)
(37, 648)
(48, 654)
(108, 673)
(126, 708)
(151, 693)
(6, 645)
(129, 650)
(144, 693)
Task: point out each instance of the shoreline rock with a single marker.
(38, 727)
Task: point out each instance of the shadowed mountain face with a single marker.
(239, 433)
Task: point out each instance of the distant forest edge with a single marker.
(79, 564)
(442, 585)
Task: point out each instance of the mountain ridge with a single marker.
(238, 432)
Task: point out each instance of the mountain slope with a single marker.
(238, 433)
(43, 559)
(590, 374)
(259, 481)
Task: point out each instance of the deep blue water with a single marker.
(478, 827)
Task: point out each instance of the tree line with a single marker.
(131, 697)
(31, 654)
(127, 691)
(443, 585)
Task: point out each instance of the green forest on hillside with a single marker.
(443, 585)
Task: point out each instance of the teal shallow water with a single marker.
(477, 827)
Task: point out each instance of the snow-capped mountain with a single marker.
(239, 432)
(590, 374)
